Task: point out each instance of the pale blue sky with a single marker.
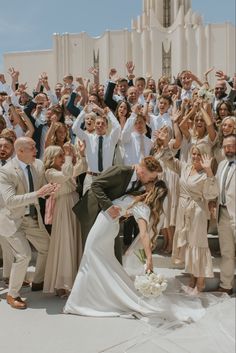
(29, 25)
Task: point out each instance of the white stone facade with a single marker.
(165, 26)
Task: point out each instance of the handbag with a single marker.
(49, 209)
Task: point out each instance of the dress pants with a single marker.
(227, 248)
(7, 257)
(130, 229)
(29, 231)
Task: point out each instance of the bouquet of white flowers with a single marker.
(150, 284)
(206, 94)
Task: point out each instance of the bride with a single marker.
(103, 287)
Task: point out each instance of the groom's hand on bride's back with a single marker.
(114, 211)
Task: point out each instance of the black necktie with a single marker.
(136, 185)
(100, 159)
(223, 197)
(3, 162)
(32, 208)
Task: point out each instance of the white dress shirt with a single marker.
(132, 143)
(91, 140)
(157, 122)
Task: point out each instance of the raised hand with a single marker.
(80, 80)
(221, 75)
(23, 87)
(163, 135)
(113, 75)
(93, 71)
(68, 149)
(208, 71)
(206, 164)
(81, 147)
(13, 73)
(130, 67)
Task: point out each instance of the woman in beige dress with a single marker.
(197, 186)
(65, 247)
(203, 131)
(227, 127)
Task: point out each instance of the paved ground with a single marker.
(43, 328)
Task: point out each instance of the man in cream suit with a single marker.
(21, 181)
(226, 175)
(6, 153)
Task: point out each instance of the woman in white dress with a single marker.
(103, 288)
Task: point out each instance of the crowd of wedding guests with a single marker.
(54, 142)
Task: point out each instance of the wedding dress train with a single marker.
(104, 288)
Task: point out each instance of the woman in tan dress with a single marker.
(65, 247)
(227, 127)
(197, 186)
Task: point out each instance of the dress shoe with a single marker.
(224, 290)
(36, 287)
(6, 283)
(16, 303)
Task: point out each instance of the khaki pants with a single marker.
(7, 257)
(227, 248)
(19, 243)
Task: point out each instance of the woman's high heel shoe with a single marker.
(200, 284)
(192, 281)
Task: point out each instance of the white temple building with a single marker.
(165, 39)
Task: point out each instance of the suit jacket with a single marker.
(106, 187)
(230, 190)
(15, 195)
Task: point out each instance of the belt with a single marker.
(93, 174)
(223, 206)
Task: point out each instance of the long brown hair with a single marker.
(154, 199)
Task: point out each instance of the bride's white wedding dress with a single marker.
(103, 287)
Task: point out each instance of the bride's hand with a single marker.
(149, 265)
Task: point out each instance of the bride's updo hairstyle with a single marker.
(154, 199)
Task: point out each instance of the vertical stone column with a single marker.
(146, 51)
(208, 45)
(190, 59)
(201, 59)
(181, 48)
(56, 57)
(136, 51)
(66, 64)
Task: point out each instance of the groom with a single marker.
(110, 185)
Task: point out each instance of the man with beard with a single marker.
(226, 174)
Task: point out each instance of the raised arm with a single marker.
(144, 237)
(75, 111)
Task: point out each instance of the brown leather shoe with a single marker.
(35, 287)
(16, 303)
(224, 290)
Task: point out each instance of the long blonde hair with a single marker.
(154, 199)
(50, 153)
(58, 125)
